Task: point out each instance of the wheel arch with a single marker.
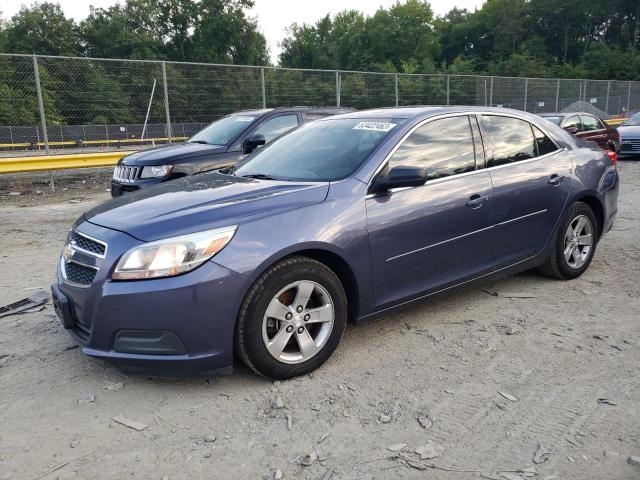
(598, 210)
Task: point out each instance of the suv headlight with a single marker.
(172, 256)
(155, 171)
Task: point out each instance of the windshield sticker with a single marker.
(375, 126)
(244, 119)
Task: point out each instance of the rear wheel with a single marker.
(292, 319)
(574, 245)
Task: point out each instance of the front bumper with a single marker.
(175, 326)
(120, 188)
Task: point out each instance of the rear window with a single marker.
(555, 120)
(512, 139)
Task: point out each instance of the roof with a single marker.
(565, 114)
(421, 111)
(298, 108)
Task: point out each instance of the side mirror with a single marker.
(252, 142)
(400, 177)
(571, 130)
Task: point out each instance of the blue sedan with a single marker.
(336, 222)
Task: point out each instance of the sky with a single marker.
(273, 16)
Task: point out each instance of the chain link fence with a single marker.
(51, 103)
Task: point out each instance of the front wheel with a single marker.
(574, 245)
(292, 318)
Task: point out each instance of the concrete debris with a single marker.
(87, 399)
(114, 387)
(425, 422)
(429, 450)
(127, 422)
(634, 460)
(508, 396)
(209, 438)
(397, 447)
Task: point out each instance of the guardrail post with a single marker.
(395, 78)
(264, 91)
(557, 94)
(43, 120)
(166, 101)
(337, 88)
(526, 92)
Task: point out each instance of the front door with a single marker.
(426, 238)
(531, 180)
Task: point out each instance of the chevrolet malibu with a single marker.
(336, 222)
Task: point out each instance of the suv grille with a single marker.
(87, 244)
(123, 173)
(79, 274)
(631, 145)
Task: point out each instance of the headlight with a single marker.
(155, 171)
(172, 256)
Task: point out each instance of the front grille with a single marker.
(79, 274)
(87, 244)
(124, 173)
(631, 144)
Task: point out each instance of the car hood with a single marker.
(202, 202)
(629, 131)
(164, 154)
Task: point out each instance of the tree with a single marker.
(42, 29)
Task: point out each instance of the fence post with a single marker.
(491, 93)
(396, 89)
(264, 91)
(43, 120)
(526, 92)
(606, 107)
(448, 79)
(584, 92)
(337, 88)
(557, 94)
(166, 102)
(629, 98)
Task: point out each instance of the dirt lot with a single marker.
(567, 364)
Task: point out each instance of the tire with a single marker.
(259, 335)
(567, 266)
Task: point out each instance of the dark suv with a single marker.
(587, 127)
(221, 144)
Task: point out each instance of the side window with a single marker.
(277, 126)
(573, 122)
(543, 143)
(444, 147)
(511, 138)
(590, 123)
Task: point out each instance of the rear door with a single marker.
(594, 130)
(428, 237)
(531, 179)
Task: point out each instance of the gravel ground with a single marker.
(490, 377)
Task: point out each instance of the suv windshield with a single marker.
(634, 121)
(325, 150)
(223, 131)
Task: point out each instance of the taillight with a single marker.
(613, 156)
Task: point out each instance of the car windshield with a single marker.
(555, 120)
(634, 121)
(223, 131)
(326, 150)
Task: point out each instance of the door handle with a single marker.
(555, 179)
(476, 200)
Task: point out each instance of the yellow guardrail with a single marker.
(60, 162)
(81, 143)
(614, 122)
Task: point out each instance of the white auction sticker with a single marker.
(376, 126)
(245, 119)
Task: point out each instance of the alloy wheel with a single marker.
(298, 322)
(578, 241)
